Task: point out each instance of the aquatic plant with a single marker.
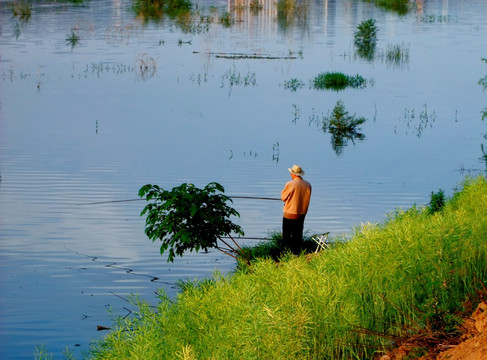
(399, 6)
(290, 10)
(21, 9)
(255, 6)
(73, 39)
(189, 218)
(338, 81)
(156, 9)
(234, 78)
(339, 122)
(483, 82)
(293, 84)
(365, 38)
(225, 19)
(397, 55)
(342, 127)
(426, 119)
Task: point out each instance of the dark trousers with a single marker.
(292, 234)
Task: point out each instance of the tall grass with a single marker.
(413, 273)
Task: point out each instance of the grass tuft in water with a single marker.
(73, 39)
(293, 84)
(338, 81)
(397, 55)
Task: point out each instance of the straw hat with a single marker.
(296, 170)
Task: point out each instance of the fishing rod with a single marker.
(139, 199)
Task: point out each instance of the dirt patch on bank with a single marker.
(470, 345)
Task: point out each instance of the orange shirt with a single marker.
(296, 195)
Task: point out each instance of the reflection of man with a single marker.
(296, 195)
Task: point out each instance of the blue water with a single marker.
(85, 124)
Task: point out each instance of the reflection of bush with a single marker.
(342, 127)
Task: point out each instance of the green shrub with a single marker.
(338, 81)
(437, 202)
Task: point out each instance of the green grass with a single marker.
(415, 273)
(338, 81)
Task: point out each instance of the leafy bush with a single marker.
(189, 218)
(437, 202)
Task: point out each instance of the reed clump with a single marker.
(410, 277)
(21, 9)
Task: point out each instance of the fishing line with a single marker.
(129, 200)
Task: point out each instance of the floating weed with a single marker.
(73, 39)
(293, 84)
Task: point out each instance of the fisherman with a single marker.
(296, 196)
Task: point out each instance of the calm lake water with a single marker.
(85, 123)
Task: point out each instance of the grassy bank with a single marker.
(412, 276)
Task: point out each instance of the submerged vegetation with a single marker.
(407, 281)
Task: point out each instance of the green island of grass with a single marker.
(414, 276)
